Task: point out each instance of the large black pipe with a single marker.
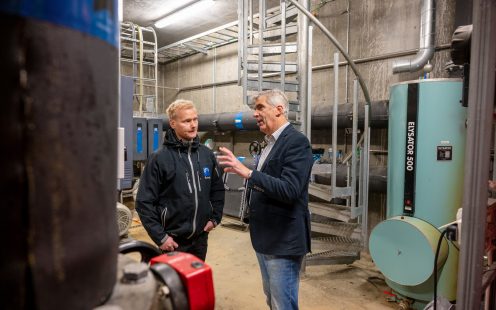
(377, 178)
(58, 161)
(321, 118)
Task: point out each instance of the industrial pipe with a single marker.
(426, 49)
(377, 178)
(321, 115)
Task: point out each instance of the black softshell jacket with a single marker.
(180, 190)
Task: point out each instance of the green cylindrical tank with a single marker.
(426, 147)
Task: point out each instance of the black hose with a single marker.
(435, 266)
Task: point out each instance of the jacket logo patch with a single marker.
(206, 173)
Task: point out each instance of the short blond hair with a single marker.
(179, 104)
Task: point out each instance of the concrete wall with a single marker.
(218, 66)
(376, 27)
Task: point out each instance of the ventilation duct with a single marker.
(426, 49)
(321, 118)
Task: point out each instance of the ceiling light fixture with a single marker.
(182, 12)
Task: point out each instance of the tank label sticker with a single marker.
(411, 149)
(410, 146)
(97, 18)
(444, 152)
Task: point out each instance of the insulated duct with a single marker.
(321, 118)
(426, 49)
(377, 178)
(378, 118)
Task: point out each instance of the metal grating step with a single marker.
(296, 124)
(336, 243)
(326, 193)
(273, 49)
(331, 257)
(275, 33)
(320, 191)
(294, 106)
(275, 19)
(334, 228)
(291, 86)
(337, 212)
(272, 66)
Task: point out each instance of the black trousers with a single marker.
(197, 246)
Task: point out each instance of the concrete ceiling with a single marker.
(147, 12)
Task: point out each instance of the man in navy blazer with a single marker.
(279, 215)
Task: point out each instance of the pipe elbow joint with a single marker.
(415, 64)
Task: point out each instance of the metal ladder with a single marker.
(269, 53)
(142, 54)
(274, 53)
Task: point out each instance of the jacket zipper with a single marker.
(196, 193)
(189, 182)
(199, 183)
(164, 213)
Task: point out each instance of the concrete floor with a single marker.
(238, 283)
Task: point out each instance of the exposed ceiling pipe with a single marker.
(321, 116)
(426, 49)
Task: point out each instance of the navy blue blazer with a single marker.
(279, 215)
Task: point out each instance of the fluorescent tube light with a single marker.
(120, 10)
(183, 12)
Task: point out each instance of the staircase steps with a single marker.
(272, 66)
(336, 243)
(348, 230)
(291, 86)
(273, 49)
(333, 211)
(331, 258)
(276, 17)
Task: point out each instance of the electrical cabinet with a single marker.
(155, 134)
(140, 139)
(126, 122)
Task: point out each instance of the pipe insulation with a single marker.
(377, 178)
(427, 34)
(321, 118)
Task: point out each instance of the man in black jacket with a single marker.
(279, 215)
(181, 194)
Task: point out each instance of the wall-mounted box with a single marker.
(155, 134)
(140, 138)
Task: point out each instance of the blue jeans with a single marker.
(280, 277)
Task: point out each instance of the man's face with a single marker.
(267, 115)
(185, 123)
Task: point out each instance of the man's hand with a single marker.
(232, 164)
(169, 245)
(492, 185)
(209, 226)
